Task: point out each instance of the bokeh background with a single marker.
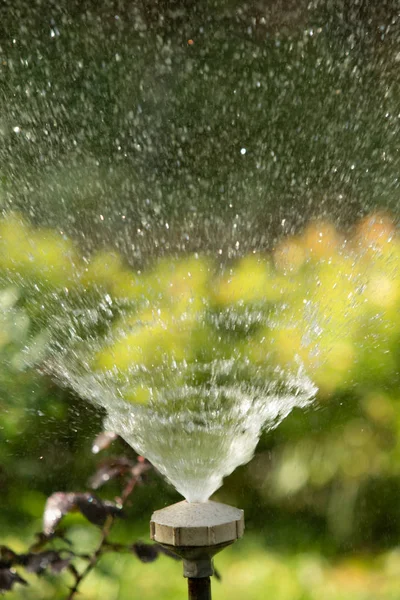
(261, 137)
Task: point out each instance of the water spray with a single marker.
(197, 531)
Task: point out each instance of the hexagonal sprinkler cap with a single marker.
(196, 532)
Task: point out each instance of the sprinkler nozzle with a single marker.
(197, 531)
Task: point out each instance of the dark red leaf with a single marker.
(7, 579)
(39, 562)
(7, 556)
(145, 552)
(167, 552)
(57, 505)
(109, 469)
(95, 510)
(59, 565)
(103, 441)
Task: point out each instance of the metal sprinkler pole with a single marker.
(199, 589)
(196, 531)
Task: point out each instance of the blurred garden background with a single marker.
(222, 157)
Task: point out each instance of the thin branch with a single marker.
(104, 546)
(94, 558)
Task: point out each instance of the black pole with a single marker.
(199, 588)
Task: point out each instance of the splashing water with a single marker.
(196, 421)
(182, 366)
(196, 436)
(178, 356)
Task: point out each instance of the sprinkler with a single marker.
(196, 531)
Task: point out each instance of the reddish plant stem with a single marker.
(95, 557)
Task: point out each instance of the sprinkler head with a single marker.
(196, 531)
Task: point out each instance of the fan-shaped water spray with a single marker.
(196, 434)
(178, 374)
